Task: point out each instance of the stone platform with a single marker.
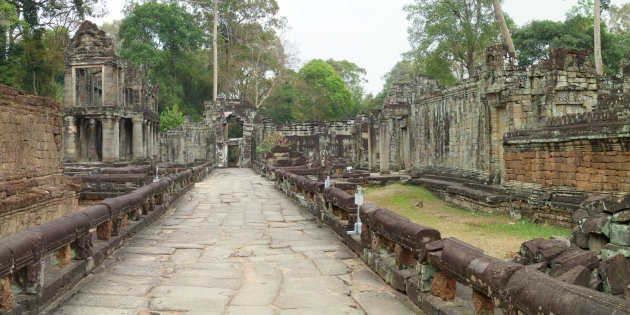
(234, 245)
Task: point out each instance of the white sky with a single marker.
(370, 33)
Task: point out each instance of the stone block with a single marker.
(620, 234)
(7, 300)
(617, 274)
(596, 242)
(404, 257)
(611, 250)
(542, 250)
(426, 272)
(483, 304)
(104, 231)
(579, 238)
(597, 224)
(622, 216)
(443, 286)
(578, 275)
(64, 255)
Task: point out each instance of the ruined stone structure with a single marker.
(321, 143)
(33, 189)
(110, 110)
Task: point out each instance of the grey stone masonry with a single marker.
(235, 245)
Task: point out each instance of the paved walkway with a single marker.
(235, 245)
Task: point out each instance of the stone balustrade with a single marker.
(414, 259)
(39, 264)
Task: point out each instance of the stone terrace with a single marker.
(234, 244)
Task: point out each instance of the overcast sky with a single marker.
(370, 33)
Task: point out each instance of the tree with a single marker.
(283, 99)
(620, 19)
(171, 118)
(354, 77)
(111, 30)
(453, 31)
(161, 37)
(599, 67)
(322, 94)
(505, 33)
(534, 39)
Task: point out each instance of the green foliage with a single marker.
(354, 77)
(620, 19)
(450, 35)
(280, 104)
(272, 141)
(322, 94)
(171, 118)
(235, 128)
(533, 41)
(162, 37)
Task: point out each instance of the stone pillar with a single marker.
(70, 138)
(371, 149)
(108, 85)
(117, 138)
(108, 139)
(137, 141)
(150, 135)
(91, 137)
(384, 149)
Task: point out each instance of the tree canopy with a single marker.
(450, 35)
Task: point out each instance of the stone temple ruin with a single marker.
(550, 141)
(110, 110)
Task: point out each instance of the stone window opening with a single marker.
(234, 128)
(89, 87)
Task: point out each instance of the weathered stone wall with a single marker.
(186, 144)
(324, 143)
(32, 188)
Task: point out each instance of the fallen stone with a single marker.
(579, 215)
(620, 234)
(542, 250)
(596, 242)
(623, 216)
(617, 274)
(579, 238)
(611, 250)
(597, 224)
(579, 275)
(575, 257)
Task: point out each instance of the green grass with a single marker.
(525, 229)
(407, 195)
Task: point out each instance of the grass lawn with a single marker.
(497, 235)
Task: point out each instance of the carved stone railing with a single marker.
(39, 264)
(414, 259)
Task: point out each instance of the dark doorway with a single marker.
(233, 156)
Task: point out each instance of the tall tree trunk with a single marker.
(214, 49)
(505, 33)
(599, 67)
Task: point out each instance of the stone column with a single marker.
(151, 138)
(137, 141)
(145, 130)
(371, 149)
(108, 86)
(91, 137)
(70, 138)
(116, 138)
(384, 141)
(108, 139)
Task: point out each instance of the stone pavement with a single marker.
(235, 245)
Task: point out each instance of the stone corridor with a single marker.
(234, 245)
